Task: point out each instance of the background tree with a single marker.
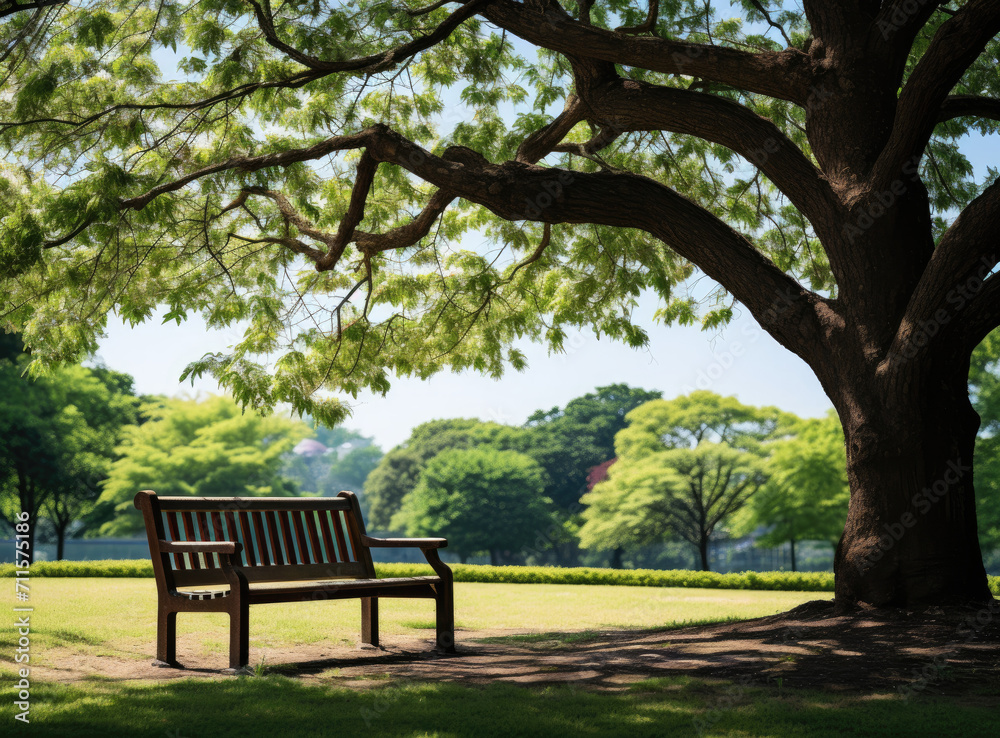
(807, 158)
(984, 387)
(57, 439)
(399, 471)
(341, 467)
(684, 467)
(806, 494)
(570, 441)
(479, 499)
(209, 448)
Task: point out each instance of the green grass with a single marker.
(105, 616)
(278, 705)
(116, 617)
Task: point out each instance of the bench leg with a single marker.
(369, 620)
(166, 638)
(445, 610)
(239, 637)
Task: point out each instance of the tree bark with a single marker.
(616, 558)
(911, 534)
(26, 492)
(792, 547)
(703, 551)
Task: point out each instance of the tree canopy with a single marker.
(806, 494)
(570, 441)
(208, 448)
(374, 188)
(58, 436)
(399, 471)
(480, 499)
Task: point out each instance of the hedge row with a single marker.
(771, 580)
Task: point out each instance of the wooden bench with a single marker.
(275, 549)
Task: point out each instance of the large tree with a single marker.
(312, 133)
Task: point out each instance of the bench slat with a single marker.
(194, 560)
(328, 544)
(300, 536)
(205, 534)
(175, 536)
(234, 534)
(260, 540)
(250, 555)
(286, 537)
(241, 504)
(342, 552)
(349, 532)
(272, 530)
(310, 522)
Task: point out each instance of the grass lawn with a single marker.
(275, 705)
(115, 617)
(118, 616)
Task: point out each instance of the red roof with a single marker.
(598, 474)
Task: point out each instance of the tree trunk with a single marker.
(911, 534)
(60, 539)
(616, 558)
(792, 548)
(703, 550)
(26, 492)
(494, 557)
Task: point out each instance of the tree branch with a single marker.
(785, 75)
(628, 105)
(952, 283)
(378, 62)
(969, 106)
(9, 7)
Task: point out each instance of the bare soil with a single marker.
(926, 650)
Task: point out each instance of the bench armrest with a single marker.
(220, 547)
(422, 543)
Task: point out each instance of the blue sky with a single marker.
(739, 360)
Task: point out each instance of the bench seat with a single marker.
(331, 587)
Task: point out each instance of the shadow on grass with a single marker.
(559, 639)
(276, 705)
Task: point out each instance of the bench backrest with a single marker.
(283, 538)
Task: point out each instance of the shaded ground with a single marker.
(928, 650)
